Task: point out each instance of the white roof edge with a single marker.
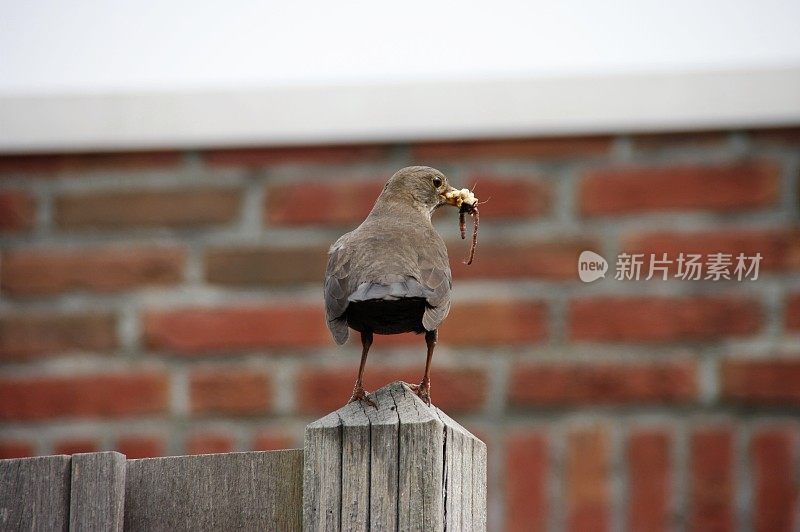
(402, 112)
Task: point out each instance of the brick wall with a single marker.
(170, 302)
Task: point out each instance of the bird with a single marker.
(391, 274)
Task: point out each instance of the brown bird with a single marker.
(391, 274)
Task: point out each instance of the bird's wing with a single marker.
(436, 278)
(337, 289)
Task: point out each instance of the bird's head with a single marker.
(424, 187)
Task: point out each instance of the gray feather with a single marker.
(409, 287)
(337, 289)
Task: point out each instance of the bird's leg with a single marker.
(358, 390)
(423, 389)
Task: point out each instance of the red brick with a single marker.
(28, 272)
(481, 323)
(34, 335)
(229, 391)
(779, 248)
(127, 394)
(148, 208)
(518, 148)
(484, 323)
(349, 202)
(711, 480)
(17, 211)
(136, 446)
(262, 266)
(551, 259)
(774, 382)
(546, 384)
(346, 202)
(717, 188)
(527, 465)
(209, 443)
(507, 198)
(201, 330)
(773, 453)
(793, 312)
(494, 322)
(54, 163)
(16, 449)
(587, 480)
(649, 478)
(649, 142)
(321, 390)
(662, 319)
(274, 440)
(75, 446)
(779, 137)
(255, 157)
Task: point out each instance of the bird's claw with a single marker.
(360, 395)
(423, 391)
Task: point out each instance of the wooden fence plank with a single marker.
(421, 463)
(355, 468)
(34, 493)
(322, 474)
(400, 466)
(465, 478)
(384, 451)
(97, 493)
(233, 491)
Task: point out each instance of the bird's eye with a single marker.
(437, 182)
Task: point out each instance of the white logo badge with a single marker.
(591, 266)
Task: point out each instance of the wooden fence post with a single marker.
(97, 495)
(400, 466)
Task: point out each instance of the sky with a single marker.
(124, 46)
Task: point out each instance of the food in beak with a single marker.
(457, 198)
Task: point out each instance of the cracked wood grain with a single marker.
(400, 466)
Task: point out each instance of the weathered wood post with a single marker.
(400, 466)
(97, 492)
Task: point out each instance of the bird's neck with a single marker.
(398, 204)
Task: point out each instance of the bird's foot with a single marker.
(360, 395)
(423, 390)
